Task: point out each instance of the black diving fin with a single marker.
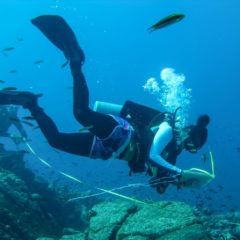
(25, 99)
(57, 30)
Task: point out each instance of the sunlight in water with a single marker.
(171, 93)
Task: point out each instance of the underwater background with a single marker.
(121, 55)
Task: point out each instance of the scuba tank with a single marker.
(107, 108)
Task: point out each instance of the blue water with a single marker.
(120, 56)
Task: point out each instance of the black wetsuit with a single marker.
(76, 143)
(102, 124)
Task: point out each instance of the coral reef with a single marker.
(30, 208)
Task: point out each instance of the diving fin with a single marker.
(56, 29)
(25, 99)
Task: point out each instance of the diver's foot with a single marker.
(25, 99)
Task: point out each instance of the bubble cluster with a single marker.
(171, 93)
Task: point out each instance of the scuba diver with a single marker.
(146, 138)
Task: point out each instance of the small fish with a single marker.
(38, 62)
(69, 87)
(8, 49)
(6, 154)
(2, 81)
(28, 123)
(209, 198)
(39, 95)
(37, 127)
(20, 39)
(23, 151)
(31, 118)
(212, 190)
(14, 119)
(9, 89)
(13, 71)
(204, 157)
(74, 164)
(64, 64)
(83, 129)
(173, 18)
(229, 197)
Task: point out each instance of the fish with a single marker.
(212, 190)
(8, 49)
(2, 81)
(39, 95)
(13, 71)
(64, 64)
(74, 164)
(69, 87)
(6, 154)
(28, 123)
(14, 119)
(38, 62)
(23, 151)
(31, 118)
(204, 157)
(209, 198)
(229, 197)
(9, 89)
(164, 22)
(18, 120)
(223, 205)
(20, 39)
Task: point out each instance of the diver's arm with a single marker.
(162, 137)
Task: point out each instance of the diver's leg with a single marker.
(77, 143)
(102, 124)
(57, 30)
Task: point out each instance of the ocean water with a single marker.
(120, 56)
